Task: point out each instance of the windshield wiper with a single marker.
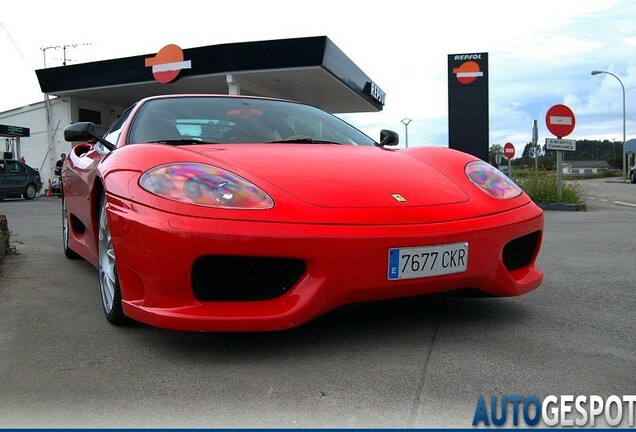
(306, 140)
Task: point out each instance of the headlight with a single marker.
(204, 185)
(491, 180)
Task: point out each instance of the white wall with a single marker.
(35, 148)
(64, 111)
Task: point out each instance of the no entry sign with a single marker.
(560, 120)
(509, 150)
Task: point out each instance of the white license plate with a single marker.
(427, 261)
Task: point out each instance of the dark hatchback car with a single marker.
(18, 179)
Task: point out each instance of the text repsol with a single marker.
(377, 93)
(468, 57)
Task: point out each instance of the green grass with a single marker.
(542, 187)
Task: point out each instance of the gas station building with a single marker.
(312, 70)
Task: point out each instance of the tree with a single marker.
(529, 151)
(493, 151)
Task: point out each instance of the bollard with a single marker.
(4, 236)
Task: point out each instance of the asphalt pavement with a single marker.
(403, 364)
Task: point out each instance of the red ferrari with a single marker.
(232, 213)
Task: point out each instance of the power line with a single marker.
(15, 45)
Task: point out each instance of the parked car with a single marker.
(234, 213)
(632, 174)
(18, 179)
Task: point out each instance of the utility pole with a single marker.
(406, 122)
(535, 139)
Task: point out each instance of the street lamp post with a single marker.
(596, 72)
(406, 122)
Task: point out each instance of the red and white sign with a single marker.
(509, 150)
(560, 120)
(168, 63)
(468, 72)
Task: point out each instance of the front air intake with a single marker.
(518, 253)
(237, 278)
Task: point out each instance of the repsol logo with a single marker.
(468, 57)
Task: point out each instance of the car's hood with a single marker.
(339, 176)
(326, 184)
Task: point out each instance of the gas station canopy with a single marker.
(311, 70)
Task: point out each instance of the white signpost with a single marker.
(560, 144)
(560, 121)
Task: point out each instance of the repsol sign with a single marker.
(468, 127)
(375, 92)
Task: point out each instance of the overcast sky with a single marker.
(541, 53)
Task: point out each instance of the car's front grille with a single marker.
(237, 278)
(518, 253)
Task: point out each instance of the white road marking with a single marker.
(624, 203)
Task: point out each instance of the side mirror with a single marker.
(389, 138)
(85, 131)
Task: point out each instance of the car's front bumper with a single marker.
(156, 252)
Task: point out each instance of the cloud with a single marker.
(540, 54)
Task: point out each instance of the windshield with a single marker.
(201, 119)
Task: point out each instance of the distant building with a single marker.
(630, 149)
(585, 167)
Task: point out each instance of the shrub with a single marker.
(542, 188)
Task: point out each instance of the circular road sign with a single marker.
(509, 150)
(560, 120)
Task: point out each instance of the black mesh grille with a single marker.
(235, 278)
(519, 252)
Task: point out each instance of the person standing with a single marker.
(59, 164)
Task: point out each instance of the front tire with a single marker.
(632, 176)
(108, 280)
(29, 192)
(66, 233)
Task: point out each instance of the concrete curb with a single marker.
(563, 207)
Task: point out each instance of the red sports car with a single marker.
(232, 213)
